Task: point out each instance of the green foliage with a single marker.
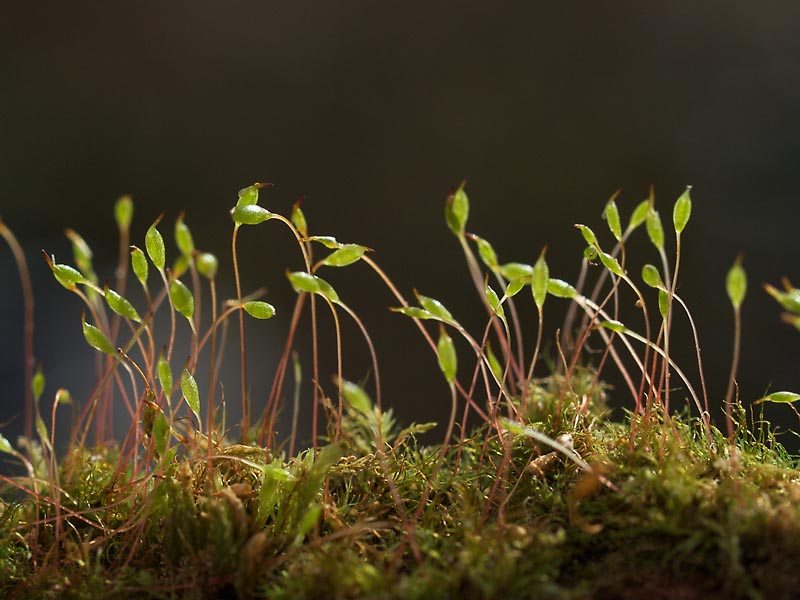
(545, 497)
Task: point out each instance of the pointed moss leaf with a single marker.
(327, 291)
(41, 430)
(414, 312)
(326, 240)
(651, 276)
(67, 276)
(346, 255)
(304, 282)
(561, 289)
(789, 300)
(494, 364)
(139, 265)
(96, 338)
(356, 397)
(154, 244)
(539, 280)
(486, 252)
(456, 211)
(123, 212)
(515, 285)
(248, 196)
(655, 230)
(181, 298)
(164, 375)
(278, 473)
(446, 353)
(183, 237)
(5, 446)
(436, 308)
(191, 393)
(779, 397)
(207, 265)
(613, 326)
(81, 253)
(299, 219)
(611, 215)
(639, 215)
(121, 306)
(663, 303)
(610, 263)
(307, 521)
(515, 270)
(161, 432)
(494, 302)
(38, 383)
(180, 266)
(588, 235)
(250, 214)
(682, 210)
(736, 284)
(259, 310)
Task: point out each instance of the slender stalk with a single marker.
(27, 302)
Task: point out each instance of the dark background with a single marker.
(373, 112)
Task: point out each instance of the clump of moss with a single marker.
(547, 497)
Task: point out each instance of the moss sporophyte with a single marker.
(545, 497)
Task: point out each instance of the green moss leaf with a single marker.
(682, 211)
(436, 308)
(191, 394)
(5, 446)
(38, 383)
(610, 263)
(639, 215)
(651, 276)
(248, 196)
(456, 211)
(736, 284)
(561, 289)
(356, 397)
(446, 354)
(123, 212)
(164, 375)
(259, 310)
(514, 270)
(655, 230)
(96, 338)
(207, 265)
(414, 312)
(183, 238)
(139, 265)
(121, 306)
(250, 214)
(539, 280)
(611, 215)
(494, 302)
(779, 397)
(486, 252)
(299, 219)
(588, 235)
(346, 255)
(182, 298)
(154, 244)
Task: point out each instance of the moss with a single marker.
(547, 497)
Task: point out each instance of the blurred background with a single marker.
(373, 113)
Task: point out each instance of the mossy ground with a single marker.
(673, 518)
